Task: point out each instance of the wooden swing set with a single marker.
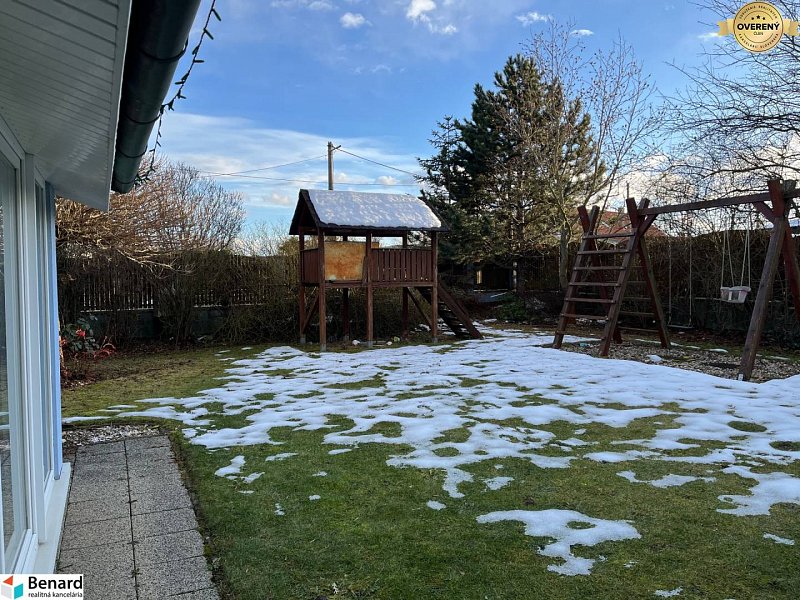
(611, 280)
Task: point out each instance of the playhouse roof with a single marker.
(363, 211)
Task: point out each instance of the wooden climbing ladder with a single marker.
(600, 269)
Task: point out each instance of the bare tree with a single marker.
(267, 238)
(177, 223)
(737, 123)
(610, 87)
(176, 209)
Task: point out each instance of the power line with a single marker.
(289, 164)
(308, 180)
(379, 163)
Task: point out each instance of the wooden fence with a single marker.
(103, 283)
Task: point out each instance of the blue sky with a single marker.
(282, 77)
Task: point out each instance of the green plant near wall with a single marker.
(78, 338)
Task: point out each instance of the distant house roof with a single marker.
(612, 222)
(367, 211)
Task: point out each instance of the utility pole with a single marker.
(345, 291)
(331, 149)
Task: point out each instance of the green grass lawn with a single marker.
(371, 534)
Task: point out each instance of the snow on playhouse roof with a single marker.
(365, 210)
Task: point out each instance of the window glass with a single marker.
(12, 477)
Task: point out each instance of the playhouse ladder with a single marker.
(452, 312)
(609, 280)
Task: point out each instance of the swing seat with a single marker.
(736, 294)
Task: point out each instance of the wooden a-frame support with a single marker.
(589, 272)
(642, 216)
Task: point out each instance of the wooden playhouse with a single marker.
(336, 262)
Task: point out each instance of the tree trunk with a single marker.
(563, 258)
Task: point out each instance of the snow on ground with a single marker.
(282, 456)
(252, 477)
(232, 469)
(555, 524)
(666, 481)
(778, 540)
(439, 506)
(497, 483)
(501, 390)
(772, 488)
(669, 593)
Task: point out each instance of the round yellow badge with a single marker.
(758, 26)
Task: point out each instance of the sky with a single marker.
(281, 78)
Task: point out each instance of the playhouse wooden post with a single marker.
(345, 308)
(765, 284)
(435, 287)
(404, 276)
(323, 322)
(346, 314)
(301, 292)
(368, 278)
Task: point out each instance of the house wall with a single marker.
(33, 480)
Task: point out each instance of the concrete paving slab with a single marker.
(155, 499)
(158, 580)
(109, 560)
(158, 441)
(87, 491)
(101, 449)
(90, 511)
(167, 547)
(160, 523)
(99, 533)
(126, 490)
(150, 454)
(207, 594)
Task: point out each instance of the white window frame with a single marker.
(21, 423)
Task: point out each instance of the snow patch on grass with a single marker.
(665, 481)
(497, 483)
(282, 456)
(232, 469)
(555, 524)
(669, 593)
(778, 540)
(772, 488)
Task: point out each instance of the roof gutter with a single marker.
(157, 39)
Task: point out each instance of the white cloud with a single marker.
(448, 29)
(309, 4)
(352, 20)
(320, 5)
(387, 180)
(533, 17)
(276, 199)
(231, 144)
(709, 35)
(417, 9)
(581, 32)
(381, 69)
